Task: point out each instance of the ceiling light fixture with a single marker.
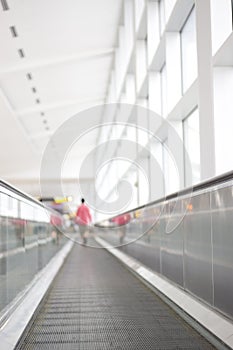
(5, 6)
(37, 100)
(34, 90)
(21, 53)
(29, 76)
(13, 32)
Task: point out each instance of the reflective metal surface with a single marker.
(189, 240)
(172, 244)
(198, 248)
(222, 228)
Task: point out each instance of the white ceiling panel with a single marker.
(35, 123)
(48, 29)
(68, 48)
(66, 84)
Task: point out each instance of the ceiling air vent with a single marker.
(5, 6)
(21, 53)
(13, 32)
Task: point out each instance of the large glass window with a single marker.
(162, 20)
(192, 147)
(163, 74)
(189, 51)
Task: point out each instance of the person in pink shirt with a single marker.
(121, 221)
(83, 219)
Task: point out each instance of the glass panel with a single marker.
(192, 146)
(26, 211)
(15, 233)
(25, 244)
(189, 51)
(3, 234)
(4, 204)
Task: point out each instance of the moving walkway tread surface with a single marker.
(96, 303)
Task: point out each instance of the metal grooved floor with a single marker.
(95, 303)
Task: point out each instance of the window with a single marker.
(163, 76)
(189, 51)
(161, 16)
(192, 147)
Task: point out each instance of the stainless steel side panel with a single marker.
(198, 248)
(190, 243)
(222, 225)
(172, 244)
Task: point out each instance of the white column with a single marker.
(141, 63)
(153, 35)
(205, 88)
(156, 171)
(173, 67)
(176, 160)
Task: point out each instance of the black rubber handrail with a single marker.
(24, 195)
(200, 186)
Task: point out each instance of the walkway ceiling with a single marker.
(56, 58)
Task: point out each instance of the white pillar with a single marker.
(173, 67)
(153, 35)
(205, 88)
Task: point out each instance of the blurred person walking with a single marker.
(83, 219)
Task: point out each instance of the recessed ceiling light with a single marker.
(21, 53)
(37, 100)
(42, 114)
(34, 90)
(45, 121)
(29, 76)
(47, 128)
(5, 6)
(13, 31)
